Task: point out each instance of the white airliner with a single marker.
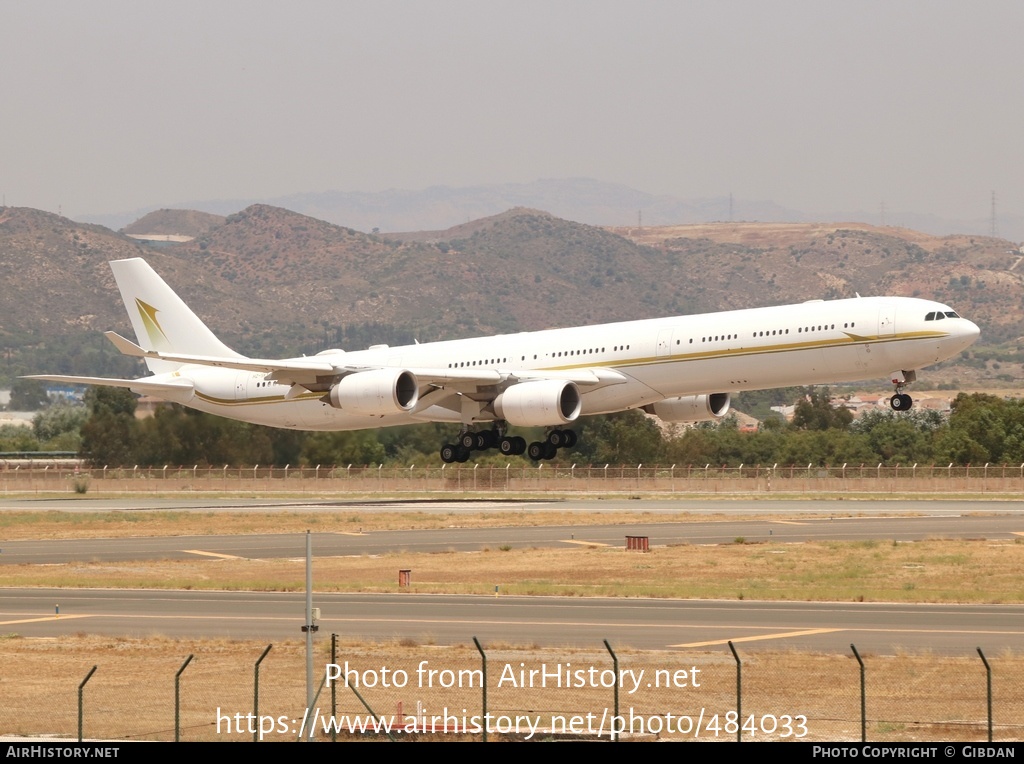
(682, 369)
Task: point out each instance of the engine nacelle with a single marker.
(691, 408)
(540, 403)
(376, 393)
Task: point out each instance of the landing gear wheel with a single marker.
(550, 451)
(556, 438)
(461, 454)
(536, 451)
(901, 402)
(468, 440)
(570, 438)
(520, 445)
(508, 446)
(448, 451)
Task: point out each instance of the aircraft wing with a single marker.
(175, 386)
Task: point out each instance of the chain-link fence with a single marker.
(517, 477)
(149, 689)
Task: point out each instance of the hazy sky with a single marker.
(108, 106)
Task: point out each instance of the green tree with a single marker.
(15, 438)
(181, 436)
(339, 448)
(28, 395)
(58, 428)
(627, 437)
(108, 435)
(816, 412)
(983, 428)
(906, 438)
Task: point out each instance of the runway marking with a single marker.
(213, 554)
(44, 618)
(584, 543)
(788, 522)
(1017, 533)
(783, 635)
(349, 533)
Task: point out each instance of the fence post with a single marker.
(334, 687)
(988, 691)
(483, 668)
(863, 701)
(256, 690)
(615, 666)
(739, 693)
(177, 699)
(81, 687)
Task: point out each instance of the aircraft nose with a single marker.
(968, 332)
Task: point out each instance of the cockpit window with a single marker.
(930, 316)
(951, 314)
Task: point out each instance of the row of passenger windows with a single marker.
(558, 354)
(710, 338)
(776, 332)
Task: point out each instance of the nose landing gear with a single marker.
(901, 401)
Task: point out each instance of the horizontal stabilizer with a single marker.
(298, 370)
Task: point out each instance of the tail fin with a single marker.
(161, 319)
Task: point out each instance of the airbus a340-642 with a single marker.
(682, 369)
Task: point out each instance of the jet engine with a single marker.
(540, 403)
(375, 393)
(691, 408)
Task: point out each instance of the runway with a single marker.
(675, 625)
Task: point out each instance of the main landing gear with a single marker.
(901, 401)
(548, 448)
(508, 445)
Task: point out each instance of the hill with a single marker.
(58, 294)
(520, 270)
(170, 222)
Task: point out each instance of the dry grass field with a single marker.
(15, 524)
(131, 695)
(941, 570)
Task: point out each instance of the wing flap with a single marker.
(461, 379)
